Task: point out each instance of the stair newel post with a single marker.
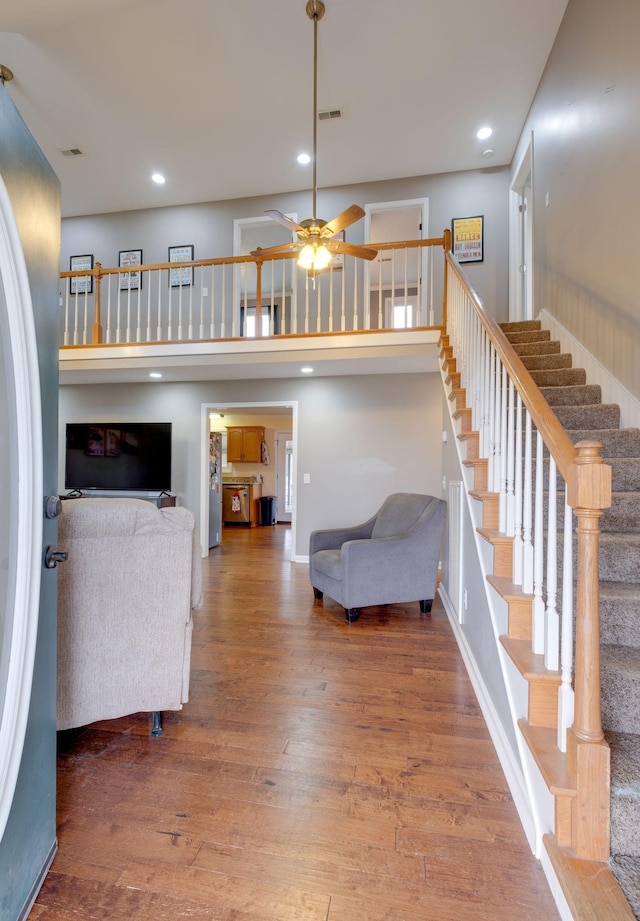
(589, 493)
(96, 329)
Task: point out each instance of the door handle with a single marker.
(52, 506)
(52, 557)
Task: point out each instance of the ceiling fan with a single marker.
(316, 243)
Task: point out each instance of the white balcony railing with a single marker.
(247, 296)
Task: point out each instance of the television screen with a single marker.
(118, 455)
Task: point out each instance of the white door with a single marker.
(284, 475)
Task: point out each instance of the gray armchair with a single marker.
(391, 558)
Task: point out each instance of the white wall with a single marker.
(209, 226)
(585, 122)
(359, 438)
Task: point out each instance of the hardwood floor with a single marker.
(321, 771)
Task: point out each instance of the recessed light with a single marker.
(155, 374)
(307, 370)
(484, 133)
(303, 159)
(158, 178)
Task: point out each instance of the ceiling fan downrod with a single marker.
(315, 12)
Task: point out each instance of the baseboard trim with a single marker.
(37, 885)
(508, 761)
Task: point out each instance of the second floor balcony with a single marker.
(254, 316)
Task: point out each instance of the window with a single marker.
(400, 313)
(248, 320)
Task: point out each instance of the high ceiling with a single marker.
(217, 94)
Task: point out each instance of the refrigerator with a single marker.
(215, 488)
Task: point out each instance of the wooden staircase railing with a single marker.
(516, 453)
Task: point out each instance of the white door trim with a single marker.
(26, 498)
(521, 290)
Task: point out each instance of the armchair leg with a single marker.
(317, 593)
(156, 729)
(352, 614)
(425, 606)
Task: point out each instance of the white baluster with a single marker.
(517, 516)
(159, 304)
(355, 295)
(565, 692)
(510, 462)
(107, 337)
(552, 619)
(538, 552)
(527, 510)
(491, 404)
(502, 504)
(148, 276)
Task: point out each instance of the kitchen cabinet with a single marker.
(244, 444)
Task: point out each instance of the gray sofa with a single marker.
(125, 597)
(391, 558)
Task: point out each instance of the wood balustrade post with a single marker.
(589, 493)
(258, 298)
(446, 246)
(96, 329)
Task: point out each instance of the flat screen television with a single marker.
(118, 456)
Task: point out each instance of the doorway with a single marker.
(391, 222)
(284, 476)
(276, 417)
(521, 240)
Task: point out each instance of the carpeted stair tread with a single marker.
(555, 362)
(572, 395)
(529, 335)
(547, 347)
(625, 793)
(623, 514)
(627, 871)
(619, 555)
(620, 615)
(561, 377)
(516, 326)
(616, 442)
(600, 415)
(620, 680)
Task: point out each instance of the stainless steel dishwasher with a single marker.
(236, 505)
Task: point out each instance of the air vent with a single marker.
(329, 113)
(72, 152)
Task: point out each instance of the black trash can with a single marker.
(267, 510)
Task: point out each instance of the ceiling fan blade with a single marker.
(347, 217)
(276, 250)
(349, 249)
(286, 221)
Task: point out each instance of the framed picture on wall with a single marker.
(130, 281)
(467, 238)
(80, 284)
(184, 275)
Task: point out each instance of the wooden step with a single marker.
(459, 396)
(472, 443)
(520, 607)
(552, 763)
(543, 684)
(464, 417)
(490, 507)
(480, 471)
(502, 551)
(590, 888)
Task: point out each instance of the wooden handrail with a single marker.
(588, 481)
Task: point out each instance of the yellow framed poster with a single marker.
(467, 238)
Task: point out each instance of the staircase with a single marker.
(579, 408)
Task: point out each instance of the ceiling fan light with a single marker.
(322, 258)
(306, 257)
